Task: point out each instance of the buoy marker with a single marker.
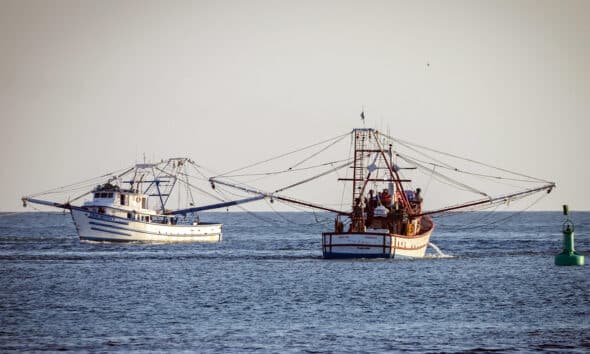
(568, 257)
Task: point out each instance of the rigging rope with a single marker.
(494, 222)
(313, 177)
(400, 141)
(485, 203)
(251, 213)
(82, 184)
(282, 155)
(440, 175)
(198, 188)
(287, 170)
(455, 169)
(317, 221)
(317, 153)
(429, 180)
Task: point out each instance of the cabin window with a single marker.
(122, 199)
(128, 215)
(96, 195)
(143, 203)
(109, 195)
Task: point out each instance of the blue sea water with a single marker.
(265, 288)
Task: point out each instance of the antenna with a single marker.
(363, 115)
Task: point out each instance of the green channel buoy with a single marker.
(568, 257)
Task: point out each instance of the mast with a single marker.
(360, 149)
(358, 175)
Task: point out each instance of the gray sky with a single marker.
(87, 87)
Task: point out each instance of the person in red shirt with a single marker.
(385, 198)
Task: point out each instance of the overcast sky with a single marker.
(88, 87)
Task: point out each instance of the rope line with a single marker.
(401, 141)
(282, 155)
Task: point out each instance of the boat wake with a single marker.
(439, 253)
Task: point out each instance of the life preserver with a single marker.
(138, 199)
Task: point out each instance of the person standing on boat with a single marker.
(417, 201)
(357, 224)
(386, 198)
(371, 203)
(372, 198)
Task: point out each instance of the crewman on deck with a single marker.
(386, 198)
(371, 202)
(357, 219)
(418, 196)
(418, 201)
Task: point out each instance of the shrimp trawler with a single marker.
(385, 216)
(131, 205)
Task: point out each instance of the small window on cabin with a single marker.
(128, 215)
(143, 203)
(96, 195)
(110, 195)
(103, 195)
(122, 199)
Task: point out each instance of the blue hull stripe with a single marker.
(102, 239)
(123, 221)
(144, 232)
(114, 227)
(107, 220)
(107, 225)
(110, 231)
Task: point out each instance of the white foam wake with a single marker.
(440, 254)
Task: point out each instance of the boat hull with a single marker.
(374, 245)
(100, 227)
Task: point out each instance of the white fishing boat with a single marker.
(131, 206)
(386, 218)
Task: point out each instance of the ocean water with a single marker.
(265, 288)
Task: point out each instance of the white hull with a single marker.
(374, 245)
(100, 227)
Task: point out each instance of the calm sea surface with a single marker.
(265, 288)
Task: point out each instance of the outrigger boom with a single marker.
(214, 206)
(45, 202)
(271, 196)
(504, 198)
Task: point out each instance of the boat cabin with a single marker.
(129, 204)
(112, 200)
